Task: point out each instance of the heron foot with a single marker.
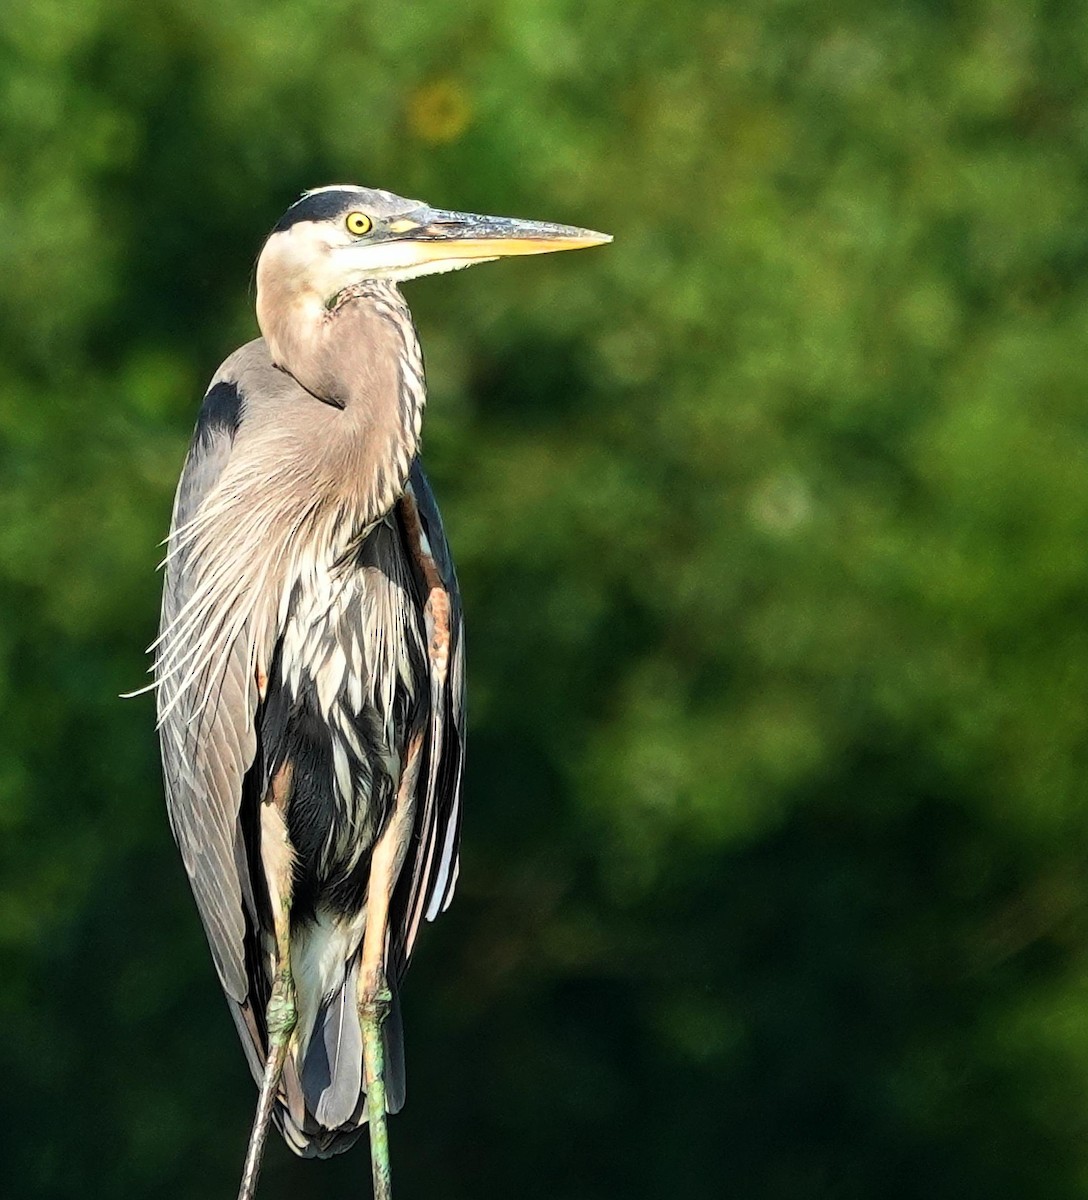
(281, 1015)
(374, 994)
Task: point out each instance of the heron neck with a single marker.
(362, 356)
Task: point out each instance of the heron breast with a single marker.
(347, 689)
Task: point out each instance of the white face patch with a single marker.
(298, 260)
(399, 259)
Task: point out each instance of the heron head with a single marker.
(336, 237)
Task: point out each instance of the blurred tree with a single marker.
(771, 526)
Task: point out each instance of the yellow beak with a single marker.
(468, 236)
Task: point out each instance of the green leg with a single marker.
(372, 1013)
(282, 1016)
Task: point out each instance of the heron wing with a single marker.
(430, 871)
(207, 733)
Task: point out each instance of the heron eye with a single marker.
(358, 223)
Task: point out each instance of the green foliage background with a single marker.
(771, 522)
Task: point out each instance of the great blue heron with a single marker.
(310, 660)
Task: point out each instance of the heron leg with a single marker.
(373, 1011)
(375, 997)
(281, 1025)
(281, 1013)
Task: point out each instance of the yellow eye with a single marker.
(358, 223)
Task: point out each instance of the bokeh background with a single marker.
(771, 521)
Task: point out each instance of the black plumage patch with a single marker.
(331, 870)
(220, 412)
(321, 206)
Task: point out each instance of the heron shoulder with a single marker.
(248, 390)
(250, 372)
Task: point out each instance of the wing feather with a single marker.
(426, 883)
(207, 748)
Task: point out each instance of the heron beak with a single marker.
(467, 237)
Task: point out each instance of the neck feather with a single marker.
(362, 355)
